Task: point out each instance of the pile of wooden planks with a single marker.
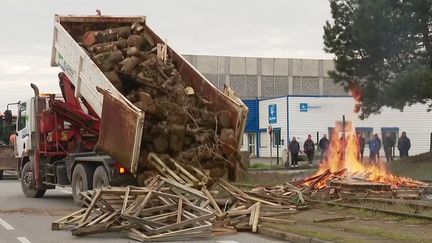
(342, 184)
(169, 210)
(164, 210)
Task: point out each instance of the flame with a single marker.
(357, 94)
(343, 160)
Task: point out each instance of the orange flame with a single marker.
(343, 157)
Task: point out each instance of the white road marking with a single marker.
(227, 241)
(6, 225)
(23, 239)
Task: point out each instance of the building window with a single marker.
(263, 138)
(276, 137)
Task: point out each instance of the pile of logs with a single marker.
(164, 210)
(178, 123)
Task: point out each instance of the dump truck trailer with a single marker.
(94, 131)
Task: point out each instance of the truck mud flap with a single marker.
(121, 131)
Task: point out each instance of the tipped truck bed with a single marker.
(121, 136)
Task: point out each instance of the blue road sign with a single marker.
(272, 115)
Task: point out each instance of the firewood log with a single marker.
(95, 36)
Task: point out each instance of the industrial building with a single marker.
(296, 97)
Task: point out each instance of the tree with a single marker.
(383, 51)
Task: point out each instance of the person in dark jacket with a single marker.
(309, 149)
(404, 144)
(388, 144)
(361, 146)
(324, 145)
(374, 148)
(294, 148)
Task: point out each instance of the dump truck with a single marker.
(7, 129)
(91, 136)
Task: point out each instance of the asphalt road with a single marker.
(29, 219)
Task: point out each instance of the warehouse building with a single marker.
(296, 97)
(253, 77)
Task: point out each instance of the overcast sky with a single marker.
(272, 28)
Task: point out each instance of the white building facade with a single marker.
(300, 116)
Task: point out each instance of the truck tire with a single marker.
(100, 177)
(81, 181)
(1, 174)
(28, 183)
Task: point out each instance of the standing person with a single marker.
(309, 149)
(294, 148)
(361, 145)
(324, 145)
(404, 144)
(374, 148)
(388, 144)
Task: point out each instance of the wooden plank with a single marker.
(146, 211)
(256, 217)
(142, 204)
(91, 206)
(192, 178)
(252, 214)
(239, 212)
(187, 189)
(276, 220)
(333, 219)
(125, 200)
(161, 166)
(56, 225)
(360, 185)
(183, 223)
(212, 201)
(179, 210)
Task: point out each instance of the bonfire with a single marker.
(343, 163)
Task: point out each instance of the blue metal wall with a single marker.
(253, 116)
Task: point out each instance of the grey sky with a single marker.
(272, 28)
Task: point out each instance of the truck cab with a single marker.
(56, 145)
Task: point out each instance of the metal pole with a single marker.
(271, 151)
(430, 143)
(343, 137)
(277, 148)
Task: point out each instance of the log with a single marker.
(107, 60)
(115, 80)
(129, 63)
(95, 37)
(176, 138)
(108, 46)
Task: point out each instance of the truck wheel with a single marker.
(81, 181)
(28, 183)
(100, 177)
(1, 174)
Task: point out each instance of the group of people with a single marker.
(404, 145)
(308, 149)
